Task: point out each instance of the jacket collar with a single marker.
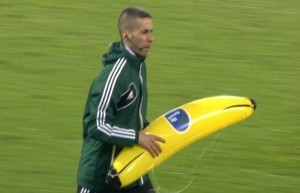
(130, 55)
(130, 51)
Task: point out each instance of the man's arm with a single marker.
(102, 107)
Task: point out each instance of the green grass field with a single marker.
(50, 53)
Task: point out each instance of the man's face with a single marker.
(140, 38)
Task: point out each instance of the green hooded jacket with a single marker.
(114, 114)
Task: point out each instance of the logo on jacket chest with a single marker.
(128, 97)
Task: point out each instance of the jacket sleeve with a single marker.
(104, 107)
(146, 123)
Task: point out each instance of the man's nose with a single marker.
(151, 38)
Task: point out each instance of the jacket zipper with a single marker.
(113, 155)
(141, 102)
(141, 181)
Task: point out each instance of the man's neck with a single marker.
(130, 51)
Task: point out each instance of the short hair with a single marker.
(128, 15)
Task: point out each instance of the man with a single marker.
(115, 112)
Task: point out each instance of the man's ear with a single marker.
(125, 35)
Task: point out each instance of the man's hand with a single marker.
(150, 143)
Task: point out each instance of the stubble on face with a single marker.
(139, 38)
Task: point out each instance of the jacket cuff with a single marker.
(137, 137)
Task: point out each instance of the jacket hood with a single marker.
(117, 50)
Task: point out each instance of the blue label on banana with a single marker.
(179, 119)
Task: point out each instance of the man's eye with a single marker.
(146, 31)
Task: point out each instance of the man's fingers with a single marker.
(160, 139)
(153, 151)
(151, 143)
(157, 138)
(156, 148)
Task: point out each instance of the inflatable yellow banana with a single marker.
(180, 127)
